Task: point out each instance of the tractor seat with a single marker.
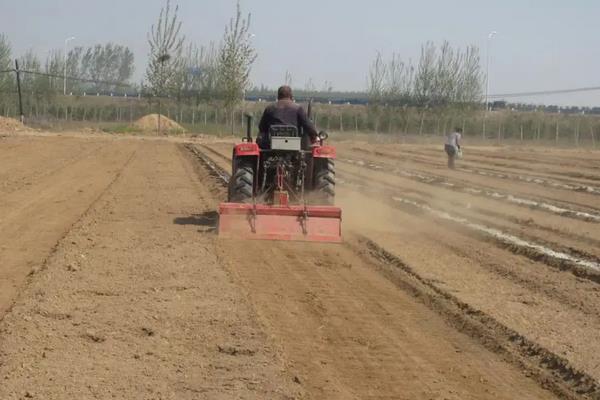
(283, 131)
(284, 137)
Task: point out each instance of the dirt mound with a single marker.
(150, 123)
(11, 125)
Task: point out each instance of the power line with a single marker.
(547, 92)
(70, 78)
(492, 96)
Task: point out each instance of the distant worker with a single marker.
(285, 112)
(452, 146)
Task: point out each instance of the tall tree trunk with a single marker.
(521, 129)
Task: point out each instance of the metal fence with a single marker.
(48, 108)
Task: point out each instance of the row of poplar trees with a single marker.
(188, 72)
(176, 69)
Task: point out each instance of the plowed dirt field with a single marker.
(478, 283)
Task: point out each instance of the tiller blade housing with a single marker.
(277, 222)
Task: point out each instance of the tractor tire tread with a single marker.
(241, 185)
(325, 182)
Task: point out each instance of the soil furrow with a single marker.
(566, 380)
(579, 262)
(546, 205)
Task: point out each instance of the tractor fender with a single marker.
(246, 149)
(323, 152)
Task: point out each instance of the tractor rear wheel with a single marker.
(242, 183)
(324, 181)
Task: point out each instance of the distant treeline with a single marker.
(99, 68)
(443, 76)
(358, 98)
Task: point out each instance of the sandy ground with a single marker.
(132, 303)
(113, 283)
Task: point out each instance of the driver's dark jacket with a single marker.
(286, 112)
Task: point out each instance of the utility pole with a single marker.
(487, 78)
(22, 116)
(67, 40)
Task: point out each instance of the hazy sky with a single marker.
(541, 44)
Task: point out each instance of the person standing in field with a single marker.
(452, 146)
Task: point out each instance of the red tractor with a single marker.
(283, 192)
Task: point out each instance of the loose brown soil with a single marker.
(113, 283)
(149, 123)
(10, 125)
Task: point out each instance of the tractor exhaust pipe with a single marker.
(248, 127)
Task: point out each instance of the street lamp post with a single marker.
(491, 35)
(67, 40)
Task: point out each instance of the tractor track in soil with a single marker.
(580, 262)
(464, 203)
(139, 299)
(487, 172)
(14, 183)
(128, 302)
(546, 367)
(581, 178)
(34, 215)
(518, 241)
(517, 212)
(535, 246)
(546, 205)
(580, 210)
(584, 171)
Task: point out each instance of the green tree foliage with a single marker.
(236, 57)
(399, 80)
(102, 63)
(471, 77)
(198, 73)
(31, 82)
(6, 79)
(55, 66)
(442, 76)
(426, 75)
(376, 89)
(209, 65)
(448, 75)
(163, 73)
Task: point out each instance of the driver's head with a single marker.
(284, 93)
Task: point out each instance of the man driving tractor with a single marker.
(285, 112)
(282, 186)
